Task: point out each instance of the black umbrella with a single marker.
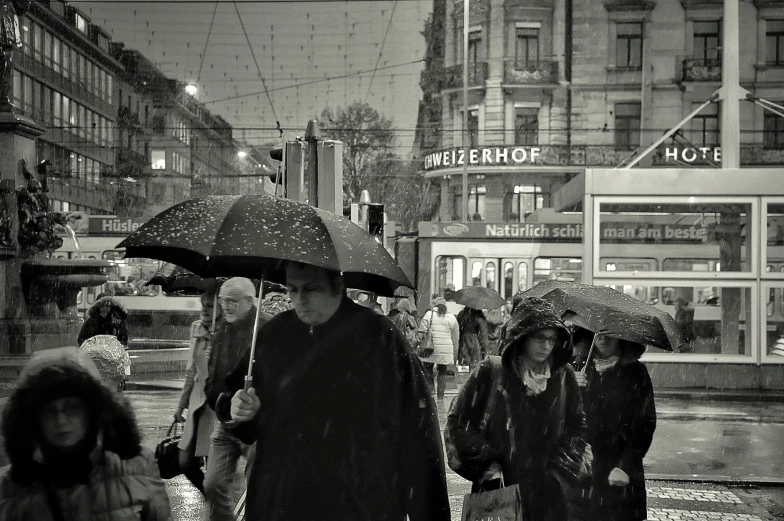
(249, 236)
(606, 311)
(253, 236)
(176, 279)
(477, 297)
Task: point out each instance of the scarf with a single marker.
(603, 365)
(534, 378)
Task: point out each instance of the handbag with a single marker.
(503, 503)
(167, 453)
(424, 347)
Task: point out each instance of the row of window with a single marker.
(519, 201)
(48, 49)
(57, 110)
(66, 163)
(629, 44)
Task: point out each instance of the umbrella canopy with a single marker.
(249, 236)
(609, 312)
(477, 297)
(176, 279)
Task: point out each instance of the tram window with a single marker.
(691, 265)
(771, 302)
(620, 264)
(522, 276)
(565, 269)
(508, 279)
(476, 273)
(450, 269)
(128, 277)
(490, 270)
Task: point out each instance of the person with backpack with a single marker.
(519, 417)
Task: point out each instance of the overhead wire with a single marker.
(209, 32)
(381, 51)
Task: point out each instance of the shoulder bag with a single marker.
(424, 347)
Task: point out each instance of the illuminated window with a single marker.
(158, 159)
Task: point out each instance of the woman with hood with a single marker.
(403, 315)
(106, 317)
(621, 413)
(535, 434)
(75, 448)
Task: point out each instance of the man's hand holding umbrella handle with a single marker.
(582, 378)
(244, 405)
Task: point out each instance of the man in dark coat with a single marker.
(106, 317)
(232, 338)
(535, 436)
(340, 410)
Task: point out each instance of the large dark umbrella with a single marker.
(477, 297)
(606, 311)
(253, 236)
(249, 236)
(176, 279)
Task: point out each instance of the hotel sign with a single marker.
(692, 154)
(486, 156)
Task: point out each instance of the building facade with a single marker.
(556, 86)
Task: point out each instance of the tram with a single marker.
(155, 319)
(512, 258)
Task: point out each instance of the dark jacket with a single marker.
(347, 428)
(112, 324)
(473, 334)
(229, 344)
(116, 475)
(621, 413)
(545, 446)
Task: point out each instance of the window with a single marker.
(473, 127)
(75, 73)
(48, 49)
(17, 89)
(58, 108)
(66, 60)
(628, 46)
(128, 277)
(450, 270)
(476, 203)
(110, 87)
(474, 47)
(773, 131)
(82, 122)
(627, 126)
(521, 200)
(706, 42)
(558, 268)
(522, 276)
(37, 112)
(56, 54)
(705, 126)
(38, 42)
(774, 39)
(84, 74)
(158, 159)
(81, 23)
(26, 37)
(28, 94)
(526, 47)
(526, 126)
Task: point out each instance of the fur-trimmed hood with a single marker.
(118, 308)
(530, 315)
(61, 372)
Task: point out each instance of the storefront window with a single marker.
(690, 237)
(558, 268)
(774, 334)
(449, 270)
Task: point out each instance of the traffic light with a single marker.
(276, 154)
(375, 221)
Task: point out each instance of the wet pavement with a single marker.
(700, 452)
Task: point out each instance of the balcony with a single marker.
(127, 119)
(700, 69)
(531, 73)
(477, 74)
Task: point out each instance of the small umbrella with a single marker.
(606, 311)
(253, 235)
(249, 236)
(477, 297)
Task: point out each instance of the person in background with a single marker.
(107, 316)
(473, 336)
(195, 442)
(445, 332)
(75, 448)
(111, 358)
(619, 407)
(232, 338)
(535, 436)
(403, 315)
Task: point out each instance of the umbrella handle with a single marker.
(590, 352)
(252, 359)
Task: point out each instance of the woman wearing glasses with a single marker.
(532, 433)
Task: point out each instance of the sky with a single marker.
(334, 46)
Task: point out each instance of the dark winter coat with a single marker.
(112, 324)
(473, 335)
(621, 413)
(229, 344)
(347, 428)
(118, 480)
(547, 448)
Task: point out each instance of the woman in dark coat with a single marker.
(107, 317)
(619, 405)
(535, 434)
(473, 336)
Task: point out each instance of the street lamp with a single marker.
(191, 89)
(242, 154)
